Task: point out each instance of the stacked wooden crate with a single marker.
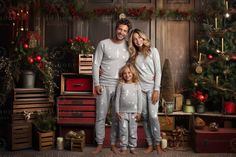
(26, 104)
(45, 140)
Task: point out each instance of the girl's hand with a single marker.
(155, 96)
(138, 117)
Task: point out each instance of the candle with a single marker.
(217, 80)
(164, 143)
(215, 22)
(200, 58)
(222, 45)
(197, 45)
(60, 145)
(226, 5)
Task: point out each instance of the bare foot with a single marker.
(114, 149)
(149, 149)
(159, 150)
(133, 151)
(98, 149)
(123, 152)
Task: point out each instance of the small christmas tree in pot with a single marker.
(167, 88)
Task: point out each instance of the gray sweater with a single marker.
(129, 98)
(110, 57)
(149, 70)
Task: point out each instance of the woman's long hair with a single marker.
(133, 49)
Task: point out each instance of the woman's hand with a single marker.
(119, 115)
(155, 96)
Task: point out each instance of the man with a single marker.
(110, 56)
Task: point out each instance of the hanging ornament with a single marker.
(195, 84)
(30, 59)
(38, 58)
(198, 69)
(227, 58)
(233, 57)
(26, 46)
(210, 56)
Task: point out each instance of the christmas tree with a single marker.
(213, 78)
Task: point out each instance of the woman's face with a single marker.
(137, 40)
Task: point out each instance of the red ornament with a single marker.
(30, 60)
(201, 97)
(210, 56)
(233, 57)
(26, 46)
(38, 58)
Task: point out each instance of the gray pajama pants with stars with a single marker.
(104, 101)
(128, 131)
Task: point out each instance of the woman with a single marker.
(147, 62)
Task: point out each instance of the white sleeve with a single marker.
(96, 63)
(157, 69)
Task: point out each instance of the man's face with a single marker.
(121, 32)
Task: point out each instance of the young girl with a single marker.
(128, 107)
(147, 63)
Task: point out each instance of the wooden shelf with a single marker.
(215, 114)
(179, 113)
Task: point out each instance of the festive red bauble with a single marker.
(38, 58)
(26, 46)
(201, 97)
(210, 56)
(233, 58)
(30, 60)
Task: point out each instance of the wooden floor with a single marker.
(107, 153)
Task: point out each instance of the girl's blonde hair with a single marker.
(132, 69)
(133, 49)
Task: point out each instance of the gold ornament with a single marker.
(198, 69)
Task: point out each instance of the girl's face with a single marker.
(137, 40)
(128, 75)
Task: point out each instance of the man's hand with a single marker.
(155, 97)
(98, 89)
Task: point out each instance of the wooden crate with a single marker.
(44, 141)
(76, 84)
(85, 63)
(76, 110)
(31, 100)
(30, 95)
(77, 144)
(20, 136)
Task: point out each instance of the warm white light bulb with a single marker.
(227, 15)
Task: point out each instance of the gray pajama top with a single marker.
(149, 69)
(110, 57)
(129, 98)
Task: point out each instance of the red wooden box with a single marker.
(74, 84)
(221, 141)
(76, 110)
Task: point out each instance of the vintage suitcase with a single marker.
(221, 141)
(76, 110)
